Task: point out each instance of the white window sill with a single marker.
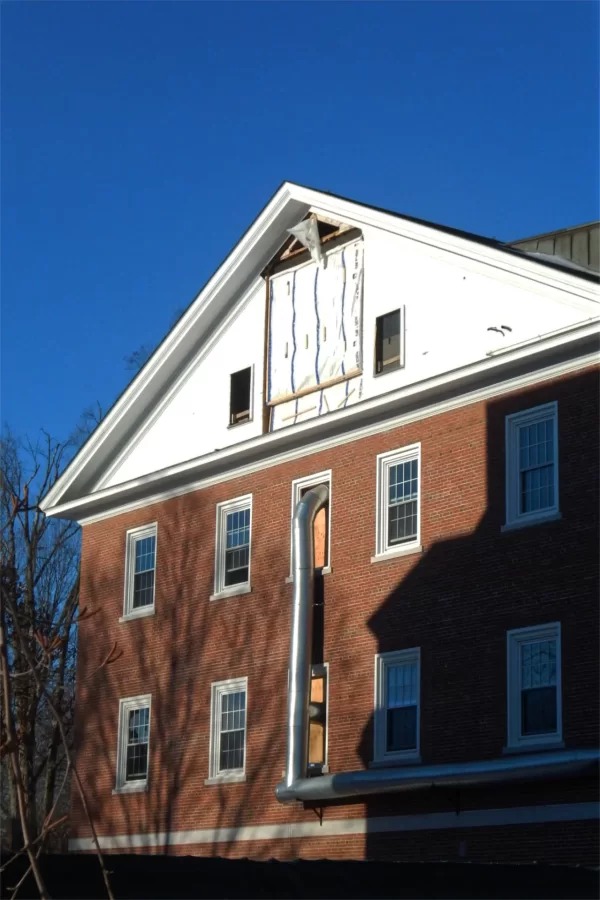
(525, 523)
(239, 424)
(400, 551)
(394, 763)
(225, 779)
(326, 570)
(539, 747)
(138, 614)
(139, 787)
(233, 591)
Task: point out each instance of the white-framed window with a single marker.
(228, 729)
(233, 546)
(322, 523)
(397, 705)
(133, 747)
(398, 500)
(140, 571)
(534, 686)
(532, 465)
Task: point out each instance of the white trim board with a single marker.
(306, 450)
(474, 818)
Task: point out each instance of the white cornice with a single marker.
(232, 462)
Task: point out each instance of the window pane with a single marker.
(401, 728)
(538, 711)
(144, 553)
(403, 493)
(232, 730)
(136, 763)
(536, 464)
(402, 522)
(237, 552)
(143, 589)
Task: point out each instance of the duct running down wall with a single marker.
(315, 326)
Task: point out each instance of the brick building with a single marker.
(342, 529)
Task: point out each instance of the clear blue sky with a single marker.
(140, 139)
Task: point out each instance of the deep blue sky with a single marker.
(140, 139)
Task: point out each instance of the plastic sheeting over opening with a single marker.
(315, 324)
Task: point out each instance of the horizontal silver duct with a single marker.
(411, 778)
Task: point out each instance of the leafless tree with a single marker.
(39, 569)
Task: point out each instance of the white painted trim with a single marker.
(298, 484)
(384, 462)
(473, 818)
(127, 705)
(223, 510)
(382, 662)
(132, 537)
(515, 518)
(514, 640)
(394, 554)
(303, 450)
(217, 689)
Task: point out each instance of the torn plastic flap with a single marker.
(307, 232)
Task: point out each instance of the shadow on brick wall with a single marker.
(461, 597)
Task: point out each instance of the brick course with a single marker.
(455, 601)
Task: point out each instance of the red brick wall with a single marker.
(455, 600)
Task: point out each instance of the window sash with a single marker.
(232, 730)
(534, 714)
(399, 499)
(532, 464)
(233, 549)
(133, 749)
(397, 705)
(140, 570)
(229, 703)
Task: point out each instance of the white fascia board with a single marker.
(466, 378)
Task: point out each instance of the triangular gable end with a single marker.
(230, 315)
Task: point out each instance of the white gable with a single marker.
(173, 422)
(449, 305)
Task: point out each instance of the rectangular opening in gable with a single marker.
(388, 342)
(239, 396)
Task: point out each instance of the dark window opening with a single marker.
(388, 343)
(239, 400)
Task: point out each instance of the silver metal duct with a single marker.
(303, 567)
(296, 785)
(385, 781)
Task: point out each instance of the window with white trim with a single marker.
(232, 564)
(140, 570)
(398, 500)
(322, 525)
(534, 686)
(397, 693)
(133, 748)
(228, 729)
(532, 464)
